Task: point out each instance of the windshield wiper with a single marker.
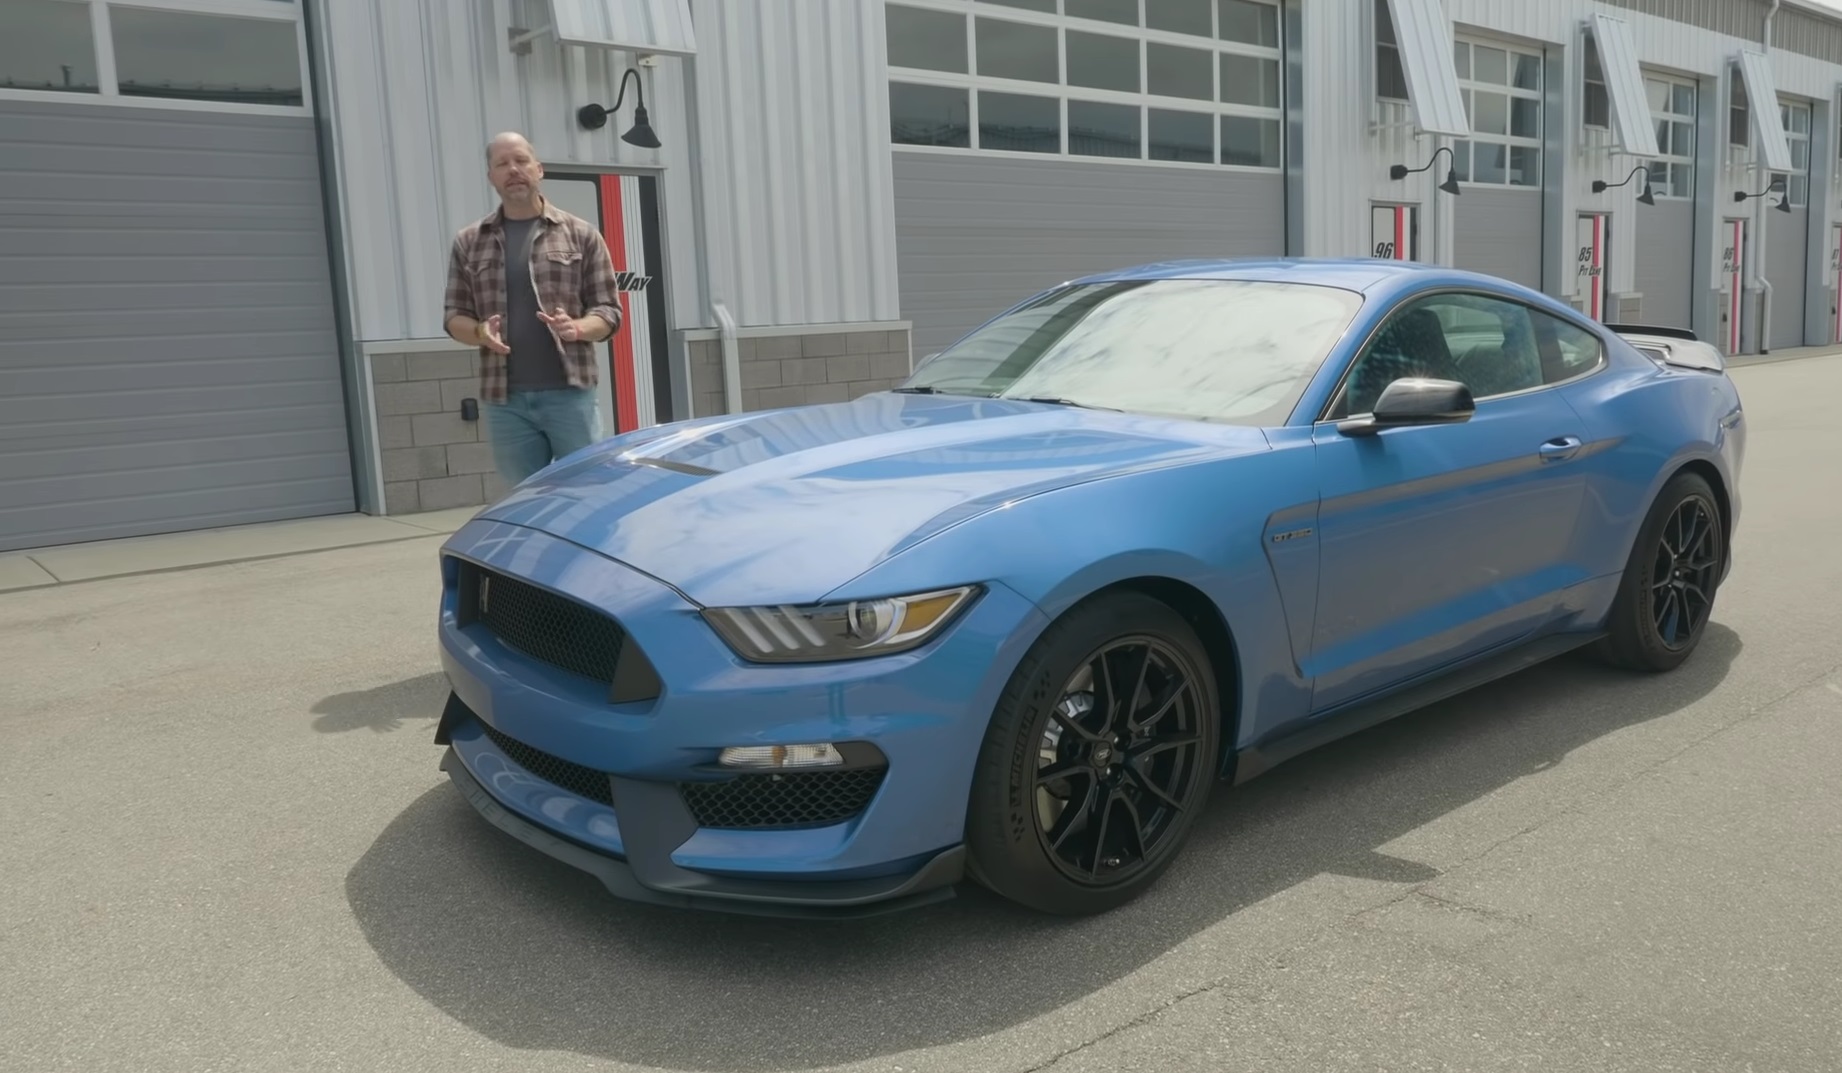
(1052, 400)
(929, 389)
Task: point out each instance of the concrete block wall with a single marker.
(433, 459)
(800, 369)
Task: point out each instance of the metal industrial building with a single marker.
(224, 223)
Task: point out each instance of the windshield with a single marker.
(1215, 350)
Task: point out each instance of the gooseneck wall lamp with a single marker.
(1776, 186)
(594, 116)
(1600, 186)
(1450, 186)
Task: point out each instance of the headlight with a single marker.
(853, 630)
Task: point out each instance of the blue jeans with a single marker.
(531, 429)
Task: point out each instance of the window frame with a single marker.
(1797, 181)
(1339, 392)
(1469, 87)
(1669, 115)
(1063, 92)
(102, 41)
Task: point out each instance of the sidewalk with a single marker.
(208, 547)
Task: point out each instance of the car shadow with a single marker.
(535, 955)
(384, 708)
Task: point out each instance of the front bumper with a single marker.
(602, 784)
(652, 878)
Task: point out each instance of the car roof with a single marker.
(1360, 274)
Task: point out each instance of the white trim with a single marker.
(103, 42)
(371, 347)
(266, 10)
(1122, 161)
(94, 100)
(919, 77)
(704, 335)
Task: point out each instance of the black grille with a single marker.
(791, 799)
(584, 781)
(545, 626)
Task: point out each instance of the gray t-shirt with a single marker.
(535, 363)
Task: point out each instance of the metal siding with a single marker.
(1500, 232)
(787, 152)
(1624, 84)
(1424, 35)
(795, 153)
(978, 234)
(1664, 252)
(662, 26)
(1785, 254)
(167, 358)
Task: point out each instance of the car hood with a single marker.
(785, 506)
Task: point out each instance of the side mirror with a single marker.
(1414, 401)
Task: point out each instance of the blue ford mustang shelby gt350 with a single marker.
(1013, 621)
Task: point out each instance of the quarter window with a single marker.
(1187, 81)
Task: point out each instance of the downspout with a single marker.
(732, 358)
(1759, 221)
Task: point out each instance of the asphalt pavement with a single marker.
(224, 845)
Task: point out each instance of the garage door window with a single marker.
(1501, 87)
(1796, 120)
(46, 45)
(1196, 82)
(240, 55)
(1672, 108)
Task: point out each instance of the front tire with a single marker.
(1100, 755)
(1667, 594)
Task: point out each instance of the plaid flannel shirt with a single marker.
(570, 267)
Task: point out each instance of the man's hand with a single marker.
(491, 330)
(567, 328)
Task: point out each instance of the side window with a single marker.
(1487, 344)
(1575, 350)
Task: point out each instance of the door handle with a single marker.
(1560, 449)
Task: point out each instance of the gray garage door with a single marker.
(1498, 231)
(1664, 248)
(1787, 246)
(975, 235)
(167, 350)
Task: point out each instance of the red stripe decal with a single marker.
(614, 227)
(1598, 268)
(1400, 232)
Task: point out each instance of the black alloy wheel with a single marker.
(1683, 572)
(1666, 597)
(1100, 756)
(1121, 749)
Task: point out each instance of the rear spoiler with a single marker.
(1651, 329)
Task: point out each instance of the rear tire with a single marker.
(1079, 801)
(1667, 594)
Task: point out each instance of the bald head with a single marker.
(515, 172)
(509, 139)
